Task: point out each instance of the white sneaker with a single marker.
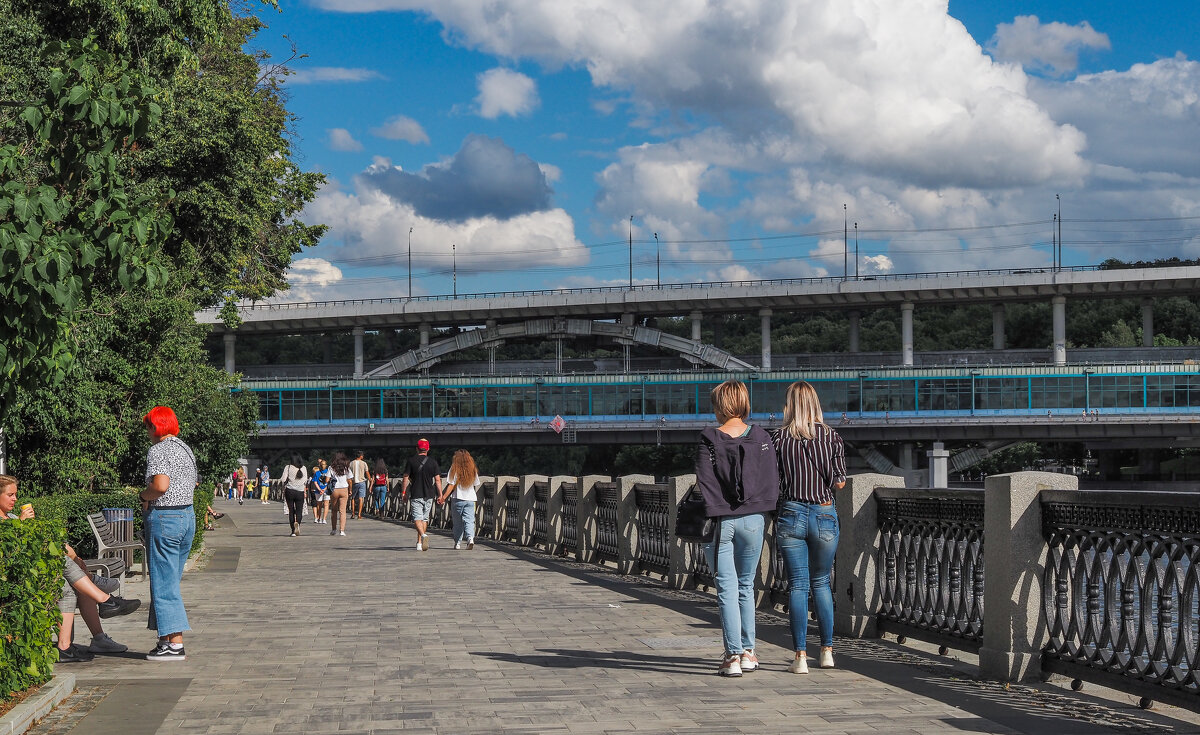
(341, 533)
(107, 584)
(731, 666)
(293, 534)
(103, 644)
(799, 665)
(457, 546)
(470, 544)
(749, 661)
(419, 546)
(425, 542)
(826, 660)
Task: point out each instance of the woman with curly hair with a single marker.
(463, 481)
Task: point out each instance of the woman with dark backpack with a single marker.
(738, 476)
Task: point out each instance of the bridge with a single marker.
(612, 312)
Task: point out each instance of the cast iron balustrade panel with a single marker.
(608, 497)
(512, 510)
(487, 521)
(1121, 590)
(654, 542)
(570, 495)
(541, 498)
(780, 586)
(930, 564)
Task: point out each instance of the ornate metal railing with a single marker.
(541, 499)
(570, 533)
(701, 573)
(779, 588)
(1121, 591)
(930, 564)
(608, 498)
(512, 510)
(653, 516)
(487, 519)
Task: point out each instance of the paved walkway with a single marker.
(363, 634)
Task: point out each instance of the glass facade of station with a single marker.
(910, 391)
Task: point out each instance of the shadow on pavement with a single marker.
(558, 658)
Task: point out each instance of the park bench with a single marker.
(107, 546)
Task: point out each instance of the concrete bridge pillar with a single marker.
(998, 319)
(765, 314)
(326, 348)
(230, 349)
(695, 316)
(1058, 308)
(854, 328)
(906, 333)
(358, 351)
(426, 328)
(1147, 322)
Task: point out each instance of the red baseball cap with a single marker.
(423, 444)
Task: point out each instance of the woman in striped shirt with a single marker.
(812, 462)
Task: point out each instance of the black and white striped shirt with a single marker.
(809, 468)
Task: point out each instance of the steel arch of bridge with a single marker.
(629, 334)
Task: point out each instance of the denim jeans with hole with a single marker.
(168, 542)
(807, 536)
(741, 542)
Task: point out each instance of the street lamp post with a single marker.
(410, 262)
(454, 266)
(631, 252)
(657, 260)
(856, 251)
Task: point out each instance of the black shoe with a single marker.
(164, 652)
(74, 655)
(115, 606)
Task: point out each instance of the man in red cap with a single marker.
(425, 477)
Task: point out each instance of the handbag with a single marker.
(692, 523)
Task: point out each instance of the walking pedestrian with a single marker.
(264, 484)
(812, 463)
(169, 524)
(320, 485)
(425, 477)
(239, 482)
(295, 477)
(380, 488)
(463, 482)
(339, 491)
(361, 473)
(738, 476)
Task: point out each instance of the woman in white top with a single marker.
(463, 481)
(339, 487)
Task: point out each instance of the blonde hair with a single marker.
(6, 480)
(463, 468)
(802, 410)
(731, 400)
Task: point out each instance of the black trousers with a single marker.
(295, 505)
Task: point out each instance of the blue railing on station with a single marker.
(895, 392)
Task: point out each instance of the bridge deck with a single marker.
(363, 634)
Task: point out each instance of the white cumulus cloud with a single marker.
(311, 279)
(340, 139)
(329, 74)
(1053, 46)
(505, 92)
(402, 127)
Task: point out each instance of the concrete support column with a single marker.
(230, 353)
(678, 576)
(765, 314)
(1058, 308)
(358, 352)
(586, 520)
(939, 465)
(695, 316)
(1147, 322)
(554, 513)
(856, 599)
(558, 357)
(426, 329)
(906, 457)
(1014, 557)
(906, 333)
(526, 505)
(327, 348)
(627, 528)
(998, 324)
(505, 484)
(855, 316)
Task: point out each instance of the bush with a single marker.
(31, 577)
(73, 510)
(201, 500)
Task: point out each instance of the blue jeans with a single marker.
(740, 546)
(462, 516)
(168, 542)
(380, 492)
(807, 537)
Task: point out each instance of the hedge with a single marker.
(31, 578)
(74, 508)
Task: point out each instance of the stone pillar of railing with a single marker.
(554, 513)
(528, 517)
(499, 507)
(1014, 556)
(679, 569)
(627, 529)
(586, 522)
(856, 593)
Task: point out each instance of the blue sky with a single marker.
(524, 133)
